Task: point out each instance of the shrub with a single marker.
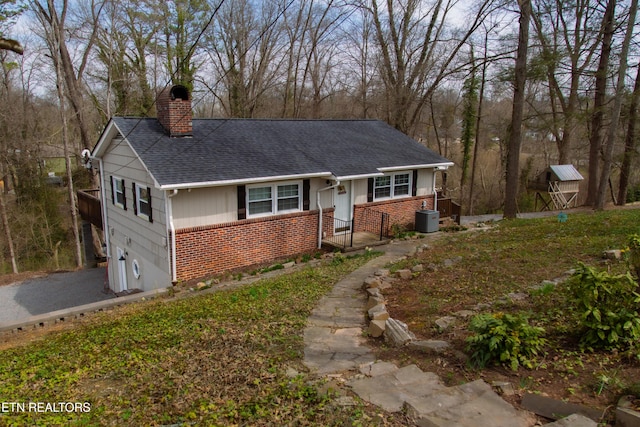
(504, 338)
(633, 254)
(607, 305)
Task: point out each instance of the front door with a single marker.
(342, 205)
(122, 269)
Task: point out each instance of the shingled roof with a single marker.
(228, 151)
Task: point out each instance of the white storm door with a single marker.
(342, 205)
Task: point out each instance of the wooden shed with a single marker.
(561, 183)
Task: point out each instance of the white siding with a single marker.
(360, 188)
(425, 182)
(216, 205)
(205, 206)
(142, 240)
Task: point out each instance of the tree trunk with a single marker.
(7, 232)
(617, 107)
(515, 134)
(478, 121)
(67, 156)
(630, 143)
(595, 141)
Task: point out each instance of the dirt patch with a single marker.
(9, 279)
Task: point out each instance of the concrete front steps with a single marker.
(431, 404)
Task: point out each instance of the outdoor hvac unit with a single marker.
(427, 221)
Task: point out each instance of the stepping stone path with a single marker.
(335, 347)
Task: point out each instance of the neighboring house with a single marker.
(184, 198)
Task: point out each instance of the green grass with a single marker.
(523, 252)
(516, 256)
(215, 359)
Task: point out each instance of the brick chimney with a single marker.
(174, 111)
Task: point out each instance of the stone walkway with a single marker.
(335, 345)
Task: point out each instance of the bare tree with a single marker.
(53, 22)
(12, 45)
(124, 44)
(597, 117)
(418, 49)
(617, 107)
(67, 160)
(53, 35)
(358, 36)
(183, 24)
(567, 42)
(242, 49)
(515, 134)
(630, 153)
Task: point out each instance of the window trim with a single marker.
(275, 198)
(392, 185)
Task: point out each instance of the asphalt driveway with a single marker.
(57, 291)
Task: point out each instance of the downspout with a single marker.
(320, 209)
(435, 193)
(172, 233)
(433, 190)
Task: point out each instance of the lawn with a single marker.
(234, 357)
(218, 358)
(514, 257)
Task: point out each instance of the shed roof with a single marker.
(566, 173)
(226, 151)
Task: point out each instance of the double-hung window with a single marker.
(260, 200)
(274, 199)
(142, 205)
(392, 186)
(118, 195)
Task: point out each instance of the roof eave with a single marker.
(243, 181)
(442, 165)
(109, 132)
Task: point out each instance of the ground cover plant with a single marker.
(218, 358)
(507, 269)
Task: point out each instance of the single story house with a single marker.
(184, 198)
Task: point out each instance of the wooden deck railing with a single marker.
(449, 209)
(90, 207)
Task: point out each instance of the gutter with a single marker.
(172, 232)
(320, 210)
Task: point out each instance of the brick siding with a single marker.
(214, 249)
(401, 212)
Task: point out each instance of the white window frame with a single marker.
(274, 198)
(392, 184)
(116, 202)
(139, 213)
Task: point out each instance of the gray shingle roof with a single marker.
(223, 150)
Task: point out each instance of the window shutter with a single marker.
(124, 196)
(135, 198)
(414, 183)
(306, 187)
(113, 193)
(150, 207)
(370, 190)
(242, 202)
